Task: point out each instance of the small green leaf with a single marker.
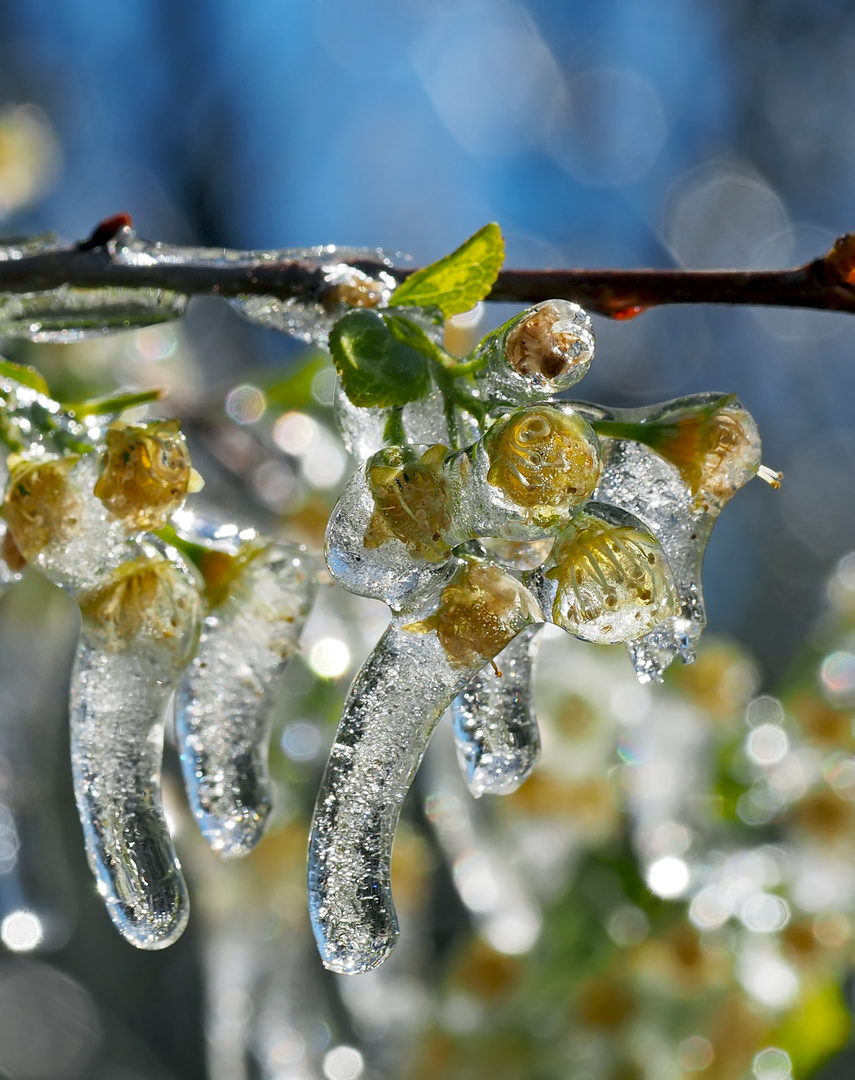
(26, 376)
(375, 368)
(457, 282)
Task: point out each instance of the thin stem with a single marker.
(827, 282)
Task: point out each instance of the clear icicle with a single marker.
(400, 693)
(139, 630)
(393, 706)
(484, 873)
(223, 704)
(495, 725)
(140, 607)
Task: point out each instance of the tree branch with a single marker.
(826, 283)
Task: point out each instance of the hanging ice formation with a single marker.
(484, 506)
(83, 503)
(259, 593)
(593, 520)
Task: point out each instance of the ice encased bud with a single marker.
(480, 611)
(716, 447)
(41, 506)
(387, 571)
(523, 480)
(537, 354)
(146, 472)
(607, 579)
(58, 524)
(411, 501)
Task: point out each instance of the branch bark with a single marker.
(826, 283)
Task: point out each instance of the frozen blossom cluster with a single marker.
(484, 506)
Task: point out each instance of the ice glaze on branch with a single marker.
(827, 282)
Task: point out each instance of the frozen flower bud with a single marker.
(480, 612)
(712, 440)
(607, 579)
(41, 506)
(148, 597)
(146, 473)
(543, 459)
(537, 354)
(411, 501)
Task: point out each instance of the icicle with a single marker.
(138, 632)
(400, 693)
(259, 594)
(489, 884)
(495, 725)
(140, 608)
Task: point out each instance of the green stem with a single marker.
(393, 430)
(111, 403)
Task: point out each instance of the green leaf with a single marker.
(457, 282)
(376, 368)
(26, 376)
(410, 333)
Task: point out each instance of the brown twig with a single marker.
(826, 283)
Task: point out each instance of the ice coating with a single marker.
(312, 320)
(677, 511)
(60, 526)
(606, 580)
(391, 710)
(388, 572)
(71, 314)
(539, 353)
(262, 594)
(523, 480)
(33, 424)
(139, 629)
(419, 665)
(429, 420)
(495, 725)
